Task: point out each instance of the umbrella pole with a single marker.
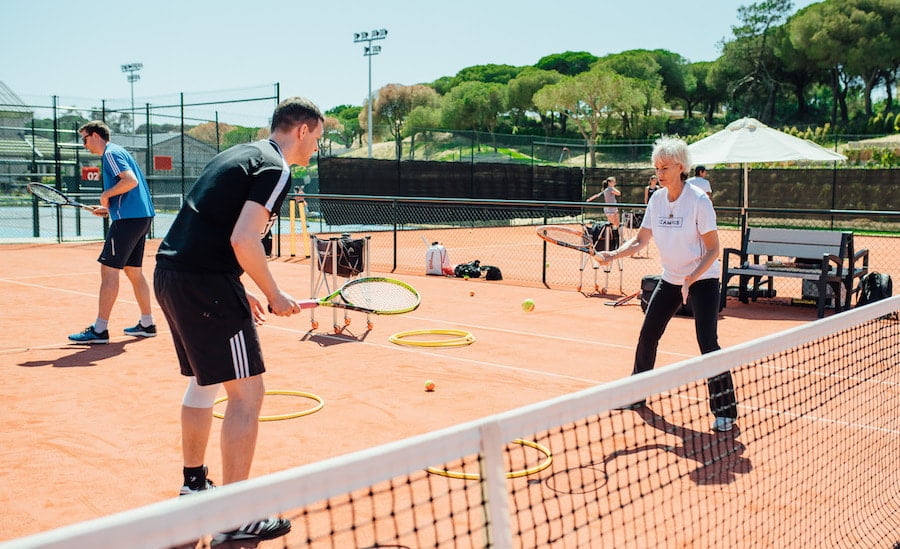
(744, 199)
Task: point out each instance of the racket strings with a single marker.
(567, 235)
(380, 296)
(48, 194)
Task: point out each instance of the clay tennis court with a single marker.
(92, 430)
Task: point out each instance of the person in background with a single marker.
(126, 200)
(681, 220)
(700, 180)
(652, 187)
(213, 241)
(609, 194)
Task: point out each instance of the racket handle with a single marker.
(305, 304)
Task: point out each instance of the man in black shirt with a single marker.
(215, 239)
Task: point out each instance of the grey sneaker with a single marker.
(141, 331)
(723, 424)
(89, 335)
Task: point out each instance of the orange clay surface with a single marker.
(91, 430)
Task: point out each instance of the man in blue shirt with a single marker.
(126, 200)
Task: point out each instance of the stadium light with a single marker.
(369, 51)
(132, 70)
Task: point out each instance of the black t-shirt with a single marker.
(200, 236)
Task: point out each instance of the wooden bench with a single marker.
(826, 258)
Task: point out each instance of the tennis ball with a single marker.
(429, 385)
(471, 293)
(528, 305)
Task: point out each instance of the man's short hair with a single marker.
(698, 169)
(96, 126)
(294, 111)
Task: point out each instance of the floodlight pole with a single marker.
(369, 51)
(132, 70)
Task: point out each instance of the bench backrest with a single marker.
(801, 243)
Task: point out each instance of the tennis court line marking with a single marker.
(42, 287)
(419, 351)
(13, 280)
(557, 338)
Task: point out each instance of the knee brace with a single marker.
(200, 396)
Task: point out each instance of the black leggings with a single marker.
(703, 297)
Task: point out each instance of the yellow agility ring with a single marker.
(512, 474)
(462, 338)
(292, 415)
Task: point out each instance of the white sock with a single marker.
(146, 320)
(101, 325)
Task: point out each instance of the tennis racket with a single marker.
(567, 238)
(377, 295)
(52, 196)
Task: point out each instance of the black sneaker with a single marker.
(141, 331)
(269, 528)
(185, 490)
(89, 335)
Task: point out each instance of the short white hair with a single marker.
(672, 148)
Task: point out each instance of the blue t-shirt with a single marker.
(136, 202)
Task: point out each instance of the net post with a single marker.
(494, 489)
(292, 206)
(304, 230)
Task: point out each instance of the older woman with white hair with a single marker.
(682, 221)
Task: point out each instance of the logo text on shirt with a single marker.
(671, 222)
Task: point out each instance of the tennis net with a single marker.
(812, 461)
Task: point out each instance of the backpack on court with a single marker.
(491, 272)
(874, 287)
(471, 269)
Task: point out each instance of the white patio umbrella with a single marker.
(749, 140)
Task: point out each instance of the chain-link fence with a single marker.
(503, 234)
(171, 137)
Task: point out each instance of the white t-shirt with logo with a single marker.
(678, 228)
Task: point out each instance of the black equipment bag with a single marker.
(491, 272)
(350, 258)
(471, 269)
(648, 284)
(599, 231)
(873, 287)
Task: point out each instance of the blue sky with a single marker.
(75, 49)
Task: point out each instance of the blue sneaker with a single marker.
(89, 335)
(141, 331)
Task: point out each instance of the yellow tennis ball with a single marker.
(471, 293)
(429, 385)
(528, 305)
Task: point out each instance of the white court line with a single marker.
(49, 276)
(546, 336)
(63, 290)
(783, 413)
(419, 351)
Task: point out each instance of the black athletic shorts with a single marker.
(209, 316)
(124, 246)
